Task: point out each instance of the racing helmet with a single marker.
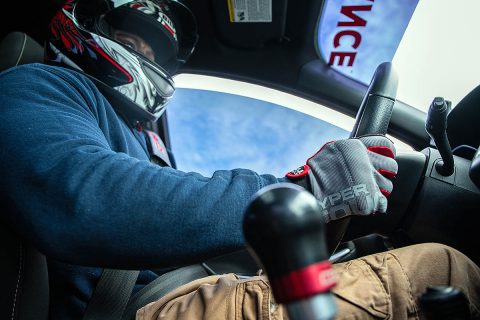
(83, 35)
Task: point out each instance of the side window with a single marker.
(213, 128)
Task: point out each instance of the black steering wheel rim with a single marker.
(375, 112)
(373, 117)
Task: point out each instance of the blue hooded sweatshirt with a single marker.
(83, 190)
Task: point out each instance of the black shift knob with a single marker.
(445, 303)
(285, 228)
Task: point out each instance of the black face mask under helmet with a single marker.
(82, 37)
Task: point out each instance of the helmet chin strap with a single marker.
(127, 109)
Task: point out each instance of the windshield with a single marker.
(432, 44)
(218, 123)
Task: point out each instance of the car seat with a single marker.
(19, 48)
(23, 268)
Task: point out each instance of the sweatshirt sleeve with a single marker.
(82, 203)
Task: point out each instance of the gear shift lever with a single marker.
(285, 229)
(436, 127)
(445, 303)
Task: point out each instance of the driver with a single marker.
(93, 188)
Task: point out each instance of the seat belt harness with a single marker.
(111, 294)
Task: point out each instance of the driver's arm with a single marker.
(83, 190)
(85, 193)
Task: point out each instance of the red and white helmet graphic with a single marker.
(84, 37)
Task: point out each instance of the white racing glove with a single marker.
(351, 176)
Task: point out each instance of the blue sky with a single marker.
(213, 130)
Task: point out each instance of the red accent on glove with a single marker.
(384, 151)
(299, 172)
(386, 193)
(387, 173)
(387, 152)
(303, 283)
(326, 143)
(303, 170)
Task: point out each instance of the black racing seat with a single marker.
(25, 288)
(19, 48)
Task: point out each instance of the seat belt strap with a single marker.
(111, 298)
(164, 284)
(156, 148)
(111, 294)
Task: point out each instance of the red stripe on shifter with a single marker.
(306, 282)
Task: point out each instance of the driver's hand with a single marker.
(351, 176)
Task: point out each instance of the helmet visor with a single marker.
(160, 81)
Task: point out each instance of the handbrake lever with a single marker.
(436, 127)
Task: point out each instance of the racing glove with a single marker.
(350, 176)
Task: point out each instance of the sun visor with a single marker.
(250, 23)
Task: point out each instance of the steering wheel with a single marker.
(373, 117)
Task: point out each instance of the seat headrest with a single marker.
(19, 48)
